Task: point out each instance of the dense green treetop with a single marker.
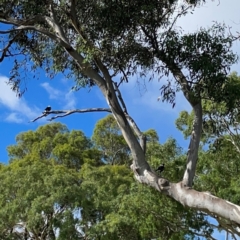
(54, 142)
(44, 194)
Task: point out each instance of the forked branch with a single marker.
(141, 136)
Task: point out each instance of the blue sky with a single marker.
(141, 100)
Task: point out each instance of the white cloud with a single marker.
(67, 98)
(145, 96)
(53, 93)
(7, 96)
(14, 117)
(20, 111)
(71, 101)
(206, 14)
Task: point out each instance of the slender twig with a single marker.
(119, 95)
(6, 49)
(175, 20)
(233, 236)
(124, 76)
(203, 235)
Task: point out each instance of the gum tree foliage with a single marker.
(48, 198)
(93, 41)
(54, 142)
(132, 211)
(137, 212)
(108, 138)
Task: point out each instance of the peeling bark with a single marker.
(191, 198)
(205, 201)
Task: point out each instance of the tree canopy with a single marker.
(95, 41)
(43, 197)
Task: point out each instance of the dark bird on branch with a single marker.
(48, 109)
(160, 168)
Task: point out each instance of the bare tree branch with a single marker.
(73, 16)
(233, 236)
(180, 13)
(69, 112)
(55, 25)
(124, 76)
(197, 125)
(41, 116)
(140, 135)
(192, 154)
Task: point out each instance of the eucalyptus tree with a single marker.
(93, 41)
(108, 139)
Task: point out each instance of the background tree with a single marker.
(94, 41)
(108, 138)
(41, 187)
(43, 197)
(54, 142)
(38, 199)
(133, 211)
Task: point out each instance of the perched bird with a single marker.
(160, 168)
(48, 109)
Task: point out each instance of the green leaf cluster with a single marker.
(107, 137)
(54, 142)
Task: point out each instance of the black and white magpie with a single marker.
(160, 168)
